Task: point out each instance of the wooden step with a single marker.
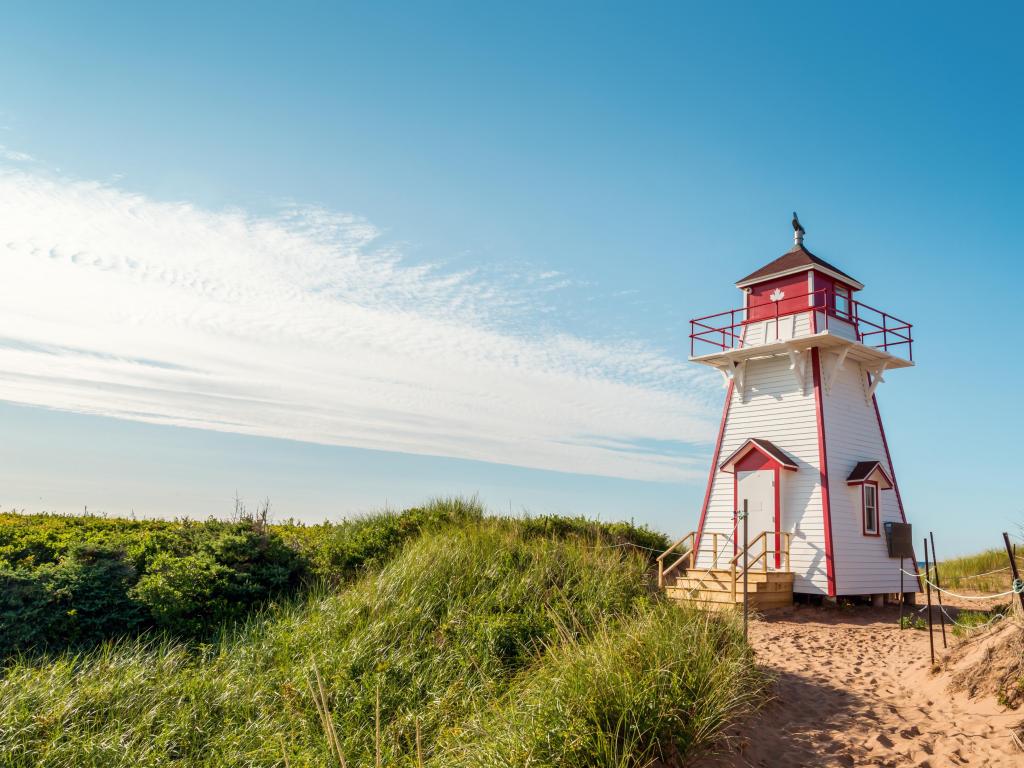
(725, 596)
(722, 586)
(714, 589)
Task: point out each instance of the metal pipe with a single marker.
(746, 592)
(928, 587)
(1013, 567)
(938, 584)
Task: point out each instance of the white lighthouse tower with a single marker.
(801, 444)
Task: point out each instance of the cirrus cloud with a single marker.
(307, 325)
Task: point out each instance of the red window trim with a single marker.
(864, 509)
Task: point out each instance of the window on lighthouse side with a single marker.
(842, 301)
(870, 508)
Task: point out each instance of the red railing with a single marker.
(873, 327)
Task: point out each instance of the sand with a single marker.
(851, 689)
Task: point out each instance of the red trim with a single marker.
(750, 460)
(823, 461)
(741, 453)
(714, 468)
(892, 469)
(812, 281)
(880, 470)
(864, 510)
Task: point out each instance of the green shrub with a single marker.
(913, 622)
(80, 600)
(232, 570)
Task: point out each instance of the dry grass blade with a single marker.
(376, 729)
(284, 753)
(322, 708)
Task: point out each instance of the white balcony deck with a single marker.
(872, 357)
(870, 336)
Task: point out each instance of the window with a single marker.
(842, 301)
(870, 509)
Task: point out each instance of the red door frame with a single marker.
(763, 462)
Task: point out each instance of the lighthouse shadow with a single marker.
(805, 723)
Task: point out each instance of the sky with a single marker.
(349, 256)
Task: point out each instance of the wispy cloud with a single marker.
(307, 325)
(13, 155)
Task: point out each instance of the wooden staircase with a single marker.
(769, 580)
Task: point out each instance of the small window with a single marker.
(842, 301)
(870, 509)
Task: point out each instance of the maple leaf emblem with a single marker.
(776, 295)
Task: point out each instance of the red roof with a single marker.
(795, 259)
(864, 470)
(766, 447)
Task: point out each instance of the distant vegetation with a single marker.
(73, 581)
(463, 640)
(986, 571)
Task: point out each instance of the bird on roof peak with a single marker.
(798, 230)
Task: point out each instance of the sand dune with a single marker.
(854, 690)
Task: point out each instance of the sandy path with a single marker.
(853, 690)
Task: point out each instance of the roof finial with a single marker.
(798, 231)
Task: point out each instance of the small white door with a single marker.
(757, 488)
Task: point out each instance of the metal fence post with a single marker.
(746, 592)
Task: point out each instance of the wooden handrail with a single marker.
(673, 545)
(783, 550)
(687, 554)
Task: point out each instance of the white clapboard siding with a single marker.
(758, 332)
(852, 434)
(795, 326)
(776, 408)
(836, 327)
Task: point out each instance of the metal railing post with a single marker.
(746, 592)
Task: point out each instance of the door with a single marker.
(757, 488)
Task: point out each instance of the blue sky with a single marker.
(349, 256)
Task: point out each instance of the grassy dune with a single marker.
(491, 642)
(966, 572)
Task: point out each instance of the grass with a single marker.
(965, 573)
(913, 622)
(969, 621)
(489, 642)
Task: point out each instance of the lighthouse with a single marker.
(801, 447)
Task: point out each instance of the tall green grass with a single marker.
(964, 573)
(491, 642)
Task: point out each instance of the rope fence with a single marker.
(992, 620)
(1016, 589)
(986, 573)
